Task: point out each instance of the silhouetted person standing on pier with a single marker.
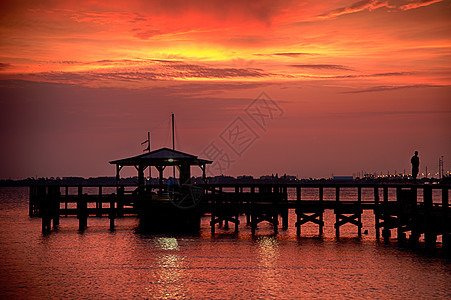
(415, 160)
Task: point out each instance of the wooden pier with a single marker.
(409, 208)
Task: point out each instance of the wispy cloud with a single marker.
(321, 67)
(417, 4)
(289, 54)
(383, 88)
(352, 76)
(146, 34)
(151, 71)
(114, 62)
(199, 71)
(388, 74)
(353, 8)
(375, 4)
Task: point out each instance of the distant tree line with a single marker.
(221, 179)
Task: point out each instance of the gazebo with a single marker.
(160, 159)
(156, 213)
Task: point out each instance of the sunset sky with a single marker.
(352, 86)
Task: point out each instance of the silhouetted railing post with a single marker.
(446, 237)
(284, 209)
(359, 218)
(121, 197)
(45, 209)
(402, 197)
(386, 214)
(248, 210)
(65, 202)
(112, 211)
(275, 214)
(337, 214)
(213, 210)
(82, 209)
(54, 197)
(221, 197)
(321, 221)
(415, 230)
(99, 203)
(377, 212)
(430, 237)
(298, 193)
(298, 205)
(32, 201)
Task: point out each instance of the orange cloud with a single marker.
(418, 3)
(355, 7)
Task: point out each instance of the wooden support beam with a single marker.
(345, 218)
(219, 219)
(304, 217)
(261, 217)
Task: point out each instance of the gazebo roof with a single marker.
(161, 157)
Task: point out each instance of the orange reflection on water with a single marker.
(269, 276)
(171, 274)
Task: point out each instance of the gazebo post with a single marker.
(204, 178)
(140, 175)
(118, 177)
(160, 172)
(185, 173)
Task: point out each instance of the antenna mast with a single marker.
(147, 142)
(173, 145)
(148, 138)
(173, 137)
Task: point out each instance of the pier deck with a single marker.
(421, 209)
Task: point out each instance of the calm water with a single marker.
(125, 264)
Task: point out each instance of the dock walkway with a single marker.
(414, 209)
